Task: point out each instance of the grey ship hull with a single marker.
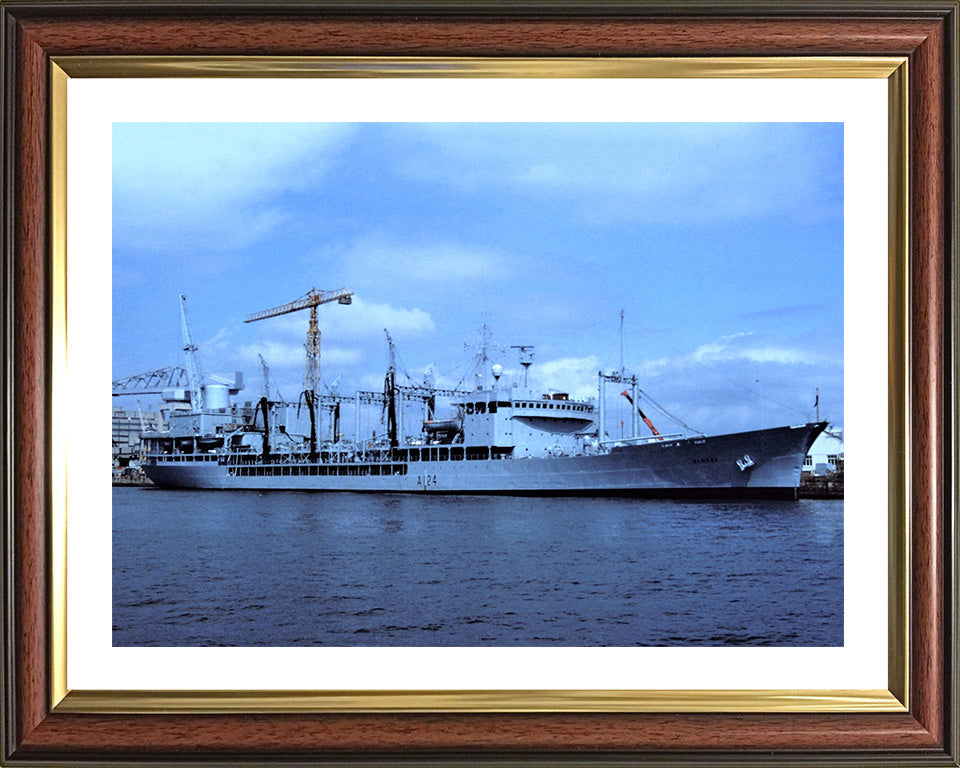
(764, 463)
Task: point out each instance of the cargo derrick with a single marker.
(643, 416)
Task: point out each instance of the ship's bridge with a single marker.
(530, 422)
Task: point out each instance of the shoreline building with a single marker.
(128, 424)
(826, 454)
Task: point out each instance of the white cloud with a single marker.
(654, 172)
(732, 347)
(543, 173)
(342, 356)
(777, 355)
(365, 319)
(199, 162)
(380, 261)
(180, 186)
(717, 348)
(576, 376)
(276, 353)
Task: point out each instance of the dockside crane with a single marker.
(312, 300)
(311, 376)
(194, 374)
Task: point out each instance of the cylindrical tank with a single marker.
(217, 396)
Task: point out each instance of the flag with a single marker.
(816, 403)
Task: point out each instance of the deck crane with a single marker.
(333, 403)
(266, 377)
(312, 300)
(390, 393)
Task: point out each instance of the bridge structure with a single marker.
(152, 382)
(171, 383)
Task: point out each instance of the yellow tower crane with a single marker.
(312, 300)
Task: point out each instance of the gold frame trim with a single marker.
(542, 701)
(429, 66)
(898, 414)
(58, 372)
(893, 69)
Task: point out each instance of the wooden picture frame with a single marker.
(37, 731)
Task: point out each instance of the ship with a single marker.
(499, 436)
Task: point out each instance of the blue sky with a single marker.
(721, 242)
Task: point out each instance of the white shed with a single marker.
(826, 453)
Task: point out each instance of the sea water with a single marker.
(247, 568)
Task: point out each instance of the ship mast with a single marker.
(620, 379)
(482, 357)
(526, 359)
(632, 395)
(621, 341)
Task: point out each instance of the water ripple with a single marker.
(289, 569)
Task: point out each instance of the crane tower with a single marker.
(194, 375)
(312, 300)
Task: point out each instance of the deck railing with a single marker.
(642, 440)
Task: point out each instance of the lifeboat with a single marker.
(442, 425)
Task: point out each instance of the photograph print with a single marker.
(478, 384)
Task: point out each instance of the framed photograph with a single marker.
(618, 284)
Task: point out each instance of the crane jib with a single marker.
(313, 299)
